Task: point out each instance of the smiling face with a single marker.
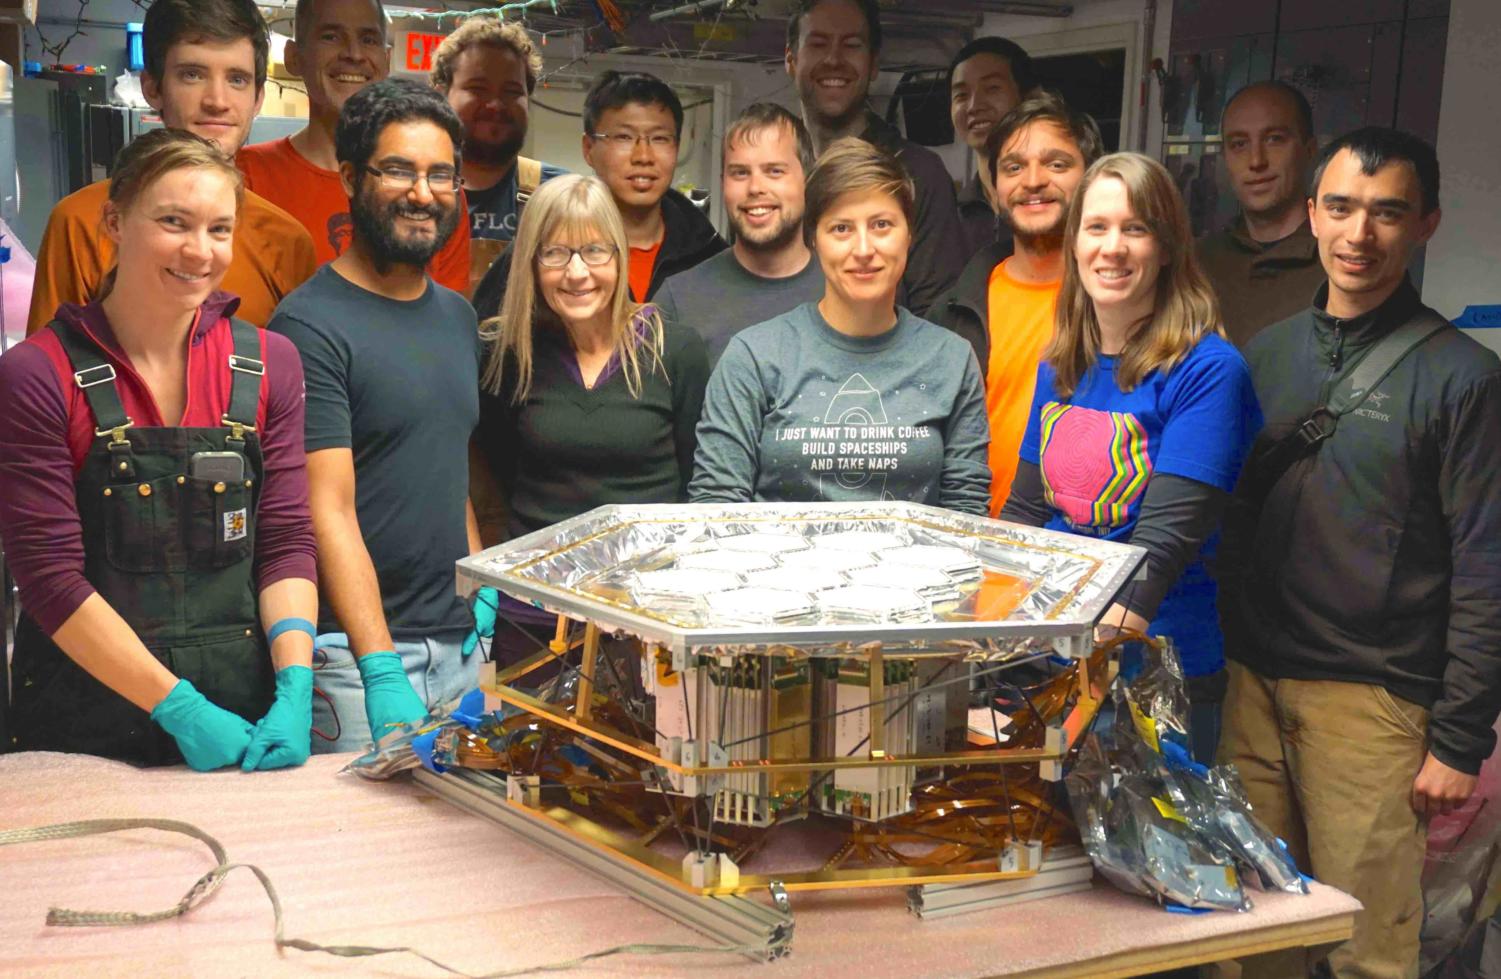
(208, 88)
(1266, 153)
(637, 172)
(1367, 226)
(862, 240)
(763, 188)
(344, 50)
(981, 92)
(833, 64)
(579, 293)
(175, 241)
(405, 227)
(1036, 175)
(1119, 257)
(489, 95)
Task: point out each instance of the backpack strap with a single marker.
(245, 379)
(1383, 356)
(528, 179)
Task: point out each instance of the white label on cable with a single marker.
(234, 525)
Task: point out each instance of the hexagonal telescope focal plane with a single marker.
(810, 695)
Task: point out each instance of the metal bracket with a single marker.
(761, 933)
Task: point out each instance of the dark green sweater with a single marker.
(567, 449)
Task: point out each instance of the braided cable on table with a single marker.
(209, 882)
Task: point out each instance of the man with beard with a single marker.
(206, 73)
(769, 268)
(338, 47)
(1036, 156)
(832, 47)
(392, 366)
(987, 78)
(487, 69)
(1265, 267)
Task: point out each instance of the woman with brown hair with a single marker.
(850, 397)
(1143, 413)
(155, 507)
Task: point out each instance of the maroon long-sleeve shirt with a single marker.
(46, 430)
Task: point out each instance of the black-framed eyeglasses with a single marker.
(440, 180)
(594, 254)
(623, 141)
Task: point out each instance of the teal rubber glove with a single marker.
(209, 736)
(284, 737)
(389, 697)
(486, 603)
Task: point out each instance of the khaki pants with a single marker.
(1329, 768)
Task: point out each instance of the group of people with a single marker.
(235, 545)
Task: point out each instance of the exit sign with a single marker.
(417, 50)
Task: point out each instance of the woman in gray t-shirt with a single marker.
(851, 397)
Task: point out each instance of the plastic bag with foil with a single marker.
(412, 745)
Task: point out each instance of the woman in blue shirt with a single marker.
(1143, 414)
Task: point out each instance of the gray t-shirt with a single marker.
(397, 383)
(797, 411)
(720, 297)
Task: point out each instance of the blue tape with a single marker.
(423, 746)
(291, 624)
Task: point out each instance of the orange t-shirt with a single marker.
(316, 197)
(643, 263)
(272, 256)
(1021, 324)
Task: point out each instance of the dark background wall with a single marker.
(1359, 62)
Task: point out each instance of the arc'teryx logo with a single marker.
(1374, 401)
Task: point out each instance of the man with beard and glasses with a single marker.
(206, 73)
(1036, 156)
(769, 268)
(487, 69)
(832, 47)
(1265, 267)
(338, 47)
(392, 366)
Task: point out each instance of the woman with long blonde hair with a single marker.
(588, 397)
(1143, 413)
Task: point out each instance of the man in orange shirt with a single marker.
(1004, 307)
(206, 73)
(338, 47)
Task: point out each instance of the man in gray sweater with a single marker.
(769, 268)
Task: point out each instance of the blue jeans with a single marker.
(436, 666)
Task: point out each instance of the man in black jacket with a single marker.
(632, 124)
(1361, 588)
(832, 52)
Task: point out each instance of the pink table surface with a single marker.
(386, 864)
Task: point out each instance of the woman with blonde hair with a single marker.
(1143, 413)
(155, 502)
(587, 398)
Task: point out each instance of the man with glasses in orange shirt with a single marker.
(632, 124)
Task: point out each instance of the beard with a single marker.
(375, 224)
(1039, 238)
(493, 154)
(772, 239)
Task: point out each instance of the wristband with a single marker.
(291, 624)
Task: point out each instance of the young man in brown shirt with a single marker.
(1265, 266)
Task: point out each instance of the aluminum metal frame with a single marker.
(758, 932)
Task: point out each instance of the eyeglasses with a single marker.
(594, 254)
(440, 181)
(624, 141)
